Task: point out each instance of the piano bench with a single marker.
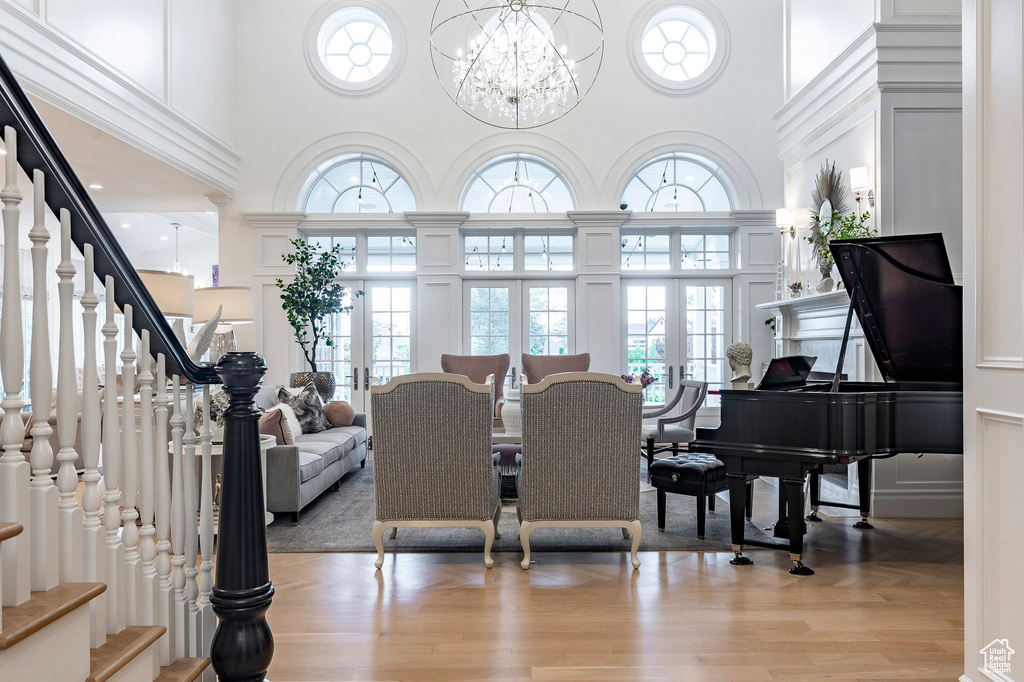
(697, 474)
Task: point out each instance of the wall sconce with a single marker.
(861, 186)
(784, 221)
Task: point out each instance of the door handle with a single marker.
(355, 378)
(513, 384)
(670, 376)
(366, 375)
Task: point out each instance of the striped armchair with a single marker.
(432, 456)
(578, 463)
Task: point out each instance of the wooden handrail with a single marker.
(38, 150)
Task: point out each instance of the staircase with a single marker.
(118, 586)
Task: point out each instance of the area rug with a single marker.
(342, 522)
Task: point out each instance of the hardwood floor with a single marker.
(885, 604)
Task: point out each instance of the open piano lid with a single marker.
(908, 306)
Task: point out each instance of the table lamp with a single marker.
(172, 292)
(236, 308)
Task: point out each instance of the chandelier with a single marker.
(517, 63)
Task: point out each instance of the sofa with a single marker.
(297, 474)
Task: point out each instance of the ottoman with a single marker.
(697, 474)
(508, 466)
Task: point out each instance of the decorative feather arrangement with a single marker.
(204, 339)
(829, 185)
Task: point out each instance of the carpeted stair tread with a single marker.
(44, 608)
(9, 530)
(120, 650)
(183, 670)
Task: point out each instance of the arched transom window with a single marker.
(357, 184)
(678, 182)
(518, 183)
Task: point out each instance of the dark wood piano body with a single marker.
(903, 293)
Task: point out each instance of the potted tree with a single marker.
(309, 299)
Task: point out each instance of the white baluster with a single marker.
(112, 472)
(16, 553)
(207, 619)
(178, 521)
(130, 478)
(147, 485)
(45, 539)
(163, 516)
(191, 525)
(94, 566)
(67, 415)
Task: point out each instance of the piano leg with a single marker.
(864, 483)
(737, 518)
(815, 497)
(795, 499)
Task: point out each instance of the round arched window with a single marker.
(681, 48)
(677, 183)
(352, 49)
(517, 183)
(356, 184)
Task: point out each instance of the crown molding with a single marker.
(63, 73)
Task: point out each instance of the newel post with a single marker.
(243, 645)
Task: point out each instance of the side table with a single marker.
(217, 469)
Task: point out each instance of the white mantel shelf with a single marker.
(839, 298)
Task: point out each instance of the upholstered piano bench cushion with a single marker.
(689, 474)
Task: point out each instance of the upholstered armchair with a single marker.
(578, 462)
(677, 429)
(536, 367)
(432, 457)
(478, 368)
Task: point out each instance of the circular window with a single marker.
(680, 48)
(352, 48)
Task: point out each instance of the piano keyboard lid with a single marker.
(911, 311)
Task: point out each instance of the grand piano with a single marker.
(902, 291)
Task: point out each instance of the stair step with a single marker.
(44, 608)
(183, 670)
(9, 530)
(120, 650)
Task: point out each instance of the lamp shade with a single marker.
(783, 217)
(172, 291)
(859, 179)
(235, 301)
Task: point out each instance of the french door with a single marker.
(372, 343)
(678, 329)
(519, 316)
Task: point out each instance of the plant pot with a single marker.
(322, 381)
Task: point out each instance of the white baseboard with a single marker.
(916, 504)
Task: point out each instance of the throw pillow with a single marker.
(218, 404)
(339, 413)
(289, 417)
(274, 423)
(308, 408)
(266, 397)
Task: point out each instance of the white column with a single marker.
(111, 448)
(67, 415)
(130, 478)
(178, 521)
(147, 487)
(45, 539)
(191, 528)
(16, 553)
(94, 566)
(207, 619)
(165, 610)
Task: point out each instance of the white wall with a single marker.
(157, 74)
(817, 32)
